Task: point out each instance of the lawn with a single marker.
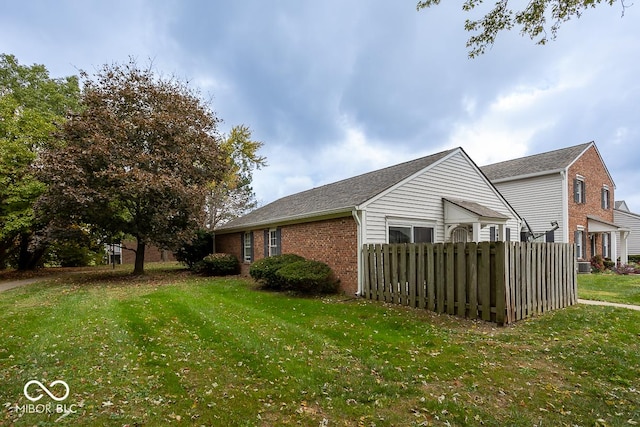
(173, 349)
(610, 287)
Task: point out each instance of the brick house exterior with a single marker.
(332, 241)
(151, 253)
(423, 200)
(571, 187)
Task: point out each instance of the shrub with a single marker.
(307, 276)
(634, 259)
(218, 265)
(627, 269)
(608, 264)
(597, 264)
(193, 252)
(264, 270)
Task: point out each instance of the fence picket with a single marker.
(475, 280)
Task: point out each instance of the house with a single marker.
(564, 196)
(438, 198)
(631, 221)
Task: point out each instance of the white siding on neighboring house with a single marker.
(420, 198)
(540, 203)
(632, 222)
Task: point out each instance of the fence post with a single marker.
(500, 285)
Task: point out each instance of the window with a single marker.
(579, 190)
(578, 238)
(401, 233)
(507, 234)
(606, 201)
(247, 247)
(606, 246)
(493, 235)
(272, 242)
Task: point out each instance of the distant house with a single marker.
(438, 198)
(571, 187)
(631, 221)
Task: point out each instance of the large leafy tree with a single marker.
(137, 159)
(233, 196)
(31, 104)
(538, 19)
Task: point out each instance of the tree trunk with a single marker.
(139, 264)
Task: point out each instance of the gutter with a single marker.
(356, 217)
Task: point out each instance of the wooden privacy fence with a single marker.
(494, 281)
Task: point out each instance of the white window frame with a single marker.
(411, 224)
(580, 249)
(606, 197)
(247, 247)
(580, 190)
(273, 242)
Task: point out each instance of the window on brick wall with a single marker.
(578, 239)
(272, 242)
(410, 233)
(247, 247)
(606, 198)
(579, 190)
(606, 245)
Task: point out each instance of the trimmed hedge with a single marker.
(219, 265)
(308, 276)
(291, 272)
(264, 270)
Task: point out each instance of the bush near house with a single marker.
(634, 259)
(218, 265)
(308, 276)
(264, 270)
(193, 252)
(600, 264)
(290, 272)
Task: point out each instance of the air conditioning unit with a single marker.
(584, 267)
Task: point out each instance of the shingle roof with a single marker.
(537, 163)
(341, 196)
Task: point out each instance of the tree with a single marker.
(136, 159)
(234, 196)
(532, 20)
(31, 104)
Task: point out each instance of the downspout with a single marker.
(565, 206)
(356, 217)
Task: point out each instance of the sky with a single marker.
(336, 88)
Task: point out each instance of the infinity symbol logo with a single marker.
(46, 390)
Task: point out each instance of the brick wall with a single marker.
(332, 241)
(151, 253)
(589, 166)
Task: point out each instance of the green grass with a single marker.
(172, 349)
(610, 287)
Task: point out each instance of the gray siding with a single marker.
(632, 222)
(420, 199)
(538, 200)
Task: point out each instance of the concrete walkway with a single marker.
(610, 304)
(5, 286)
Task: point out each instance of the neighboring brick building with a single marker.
(151, 253)
(442, 197)
(571, 187)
